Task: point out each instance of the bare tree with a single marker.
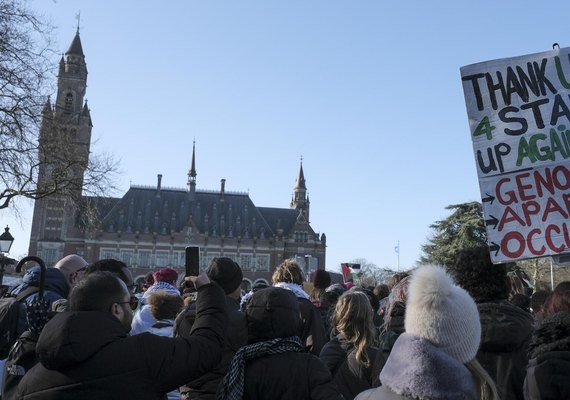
(25, 77)
(372, 273)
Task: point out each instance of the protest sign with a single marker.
(519, 119)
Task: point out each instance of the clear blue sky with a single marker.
(368, 92)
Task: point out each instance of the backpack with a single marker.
(21, 359)
(10, 308)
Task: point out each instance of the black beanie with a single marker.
(226, 273)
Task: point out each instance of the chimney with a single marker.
(223, 188)
(158, 184)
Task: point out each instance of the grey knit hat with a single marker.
(443, 313)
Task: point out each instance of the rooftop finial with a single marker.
(78, 18)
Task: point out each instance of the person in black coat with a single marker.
(355, 363)
(506, 329)
(289, 276)
(274, 364)
(548, 372)
(86, 353)
(228, 274)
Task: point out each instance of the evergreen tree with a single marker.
(464, 228)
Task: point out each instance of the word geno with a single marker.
(529, 188)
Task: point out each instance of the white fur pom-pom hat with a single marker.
(443, 313)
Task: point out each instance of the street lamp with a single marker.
(6, 240)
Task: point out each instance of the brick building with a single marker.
(149, 227)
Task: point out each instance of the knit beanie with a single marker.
(444, 314)
(226, 273)
(321, 279)
(165, 275)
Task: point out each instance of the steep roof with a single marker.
(280, 218)
(147, 209)
(75, 47)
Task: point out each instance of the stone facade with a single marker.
(149, 227)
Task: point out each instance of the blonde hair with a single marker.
(353, 319)
(288, 272)
(487, 388)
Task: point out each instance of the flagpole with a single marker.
(398, 256)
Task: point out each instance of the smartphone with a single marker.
(192, 261)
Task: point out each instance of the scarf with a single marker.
(233, 383)
(297, 289)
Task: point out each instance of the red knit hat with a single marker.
(165, 275)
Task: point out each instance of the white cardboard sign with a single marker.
(519, 119)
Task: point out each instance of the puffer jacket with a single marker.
(506, 333)
(548, 372)
(89, 355)
(205, 387)
(55, 288)
(274, 313)
(417, 370)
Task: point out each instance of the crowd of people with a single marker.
(469, 331)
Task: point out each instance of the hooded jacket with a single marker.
(89, 355)
(548, 373)
(274, 313)
(55, 288)
(418, 370)
(506, 333)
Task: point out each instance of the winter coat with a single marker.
(164, 327)
(143, 318)
(312, 329)
(350, 376)
(325, 311)
(89, 355)
(395, 328)
(506, 333)
(548, 372)
(418, 370)
(288, 375)
(55, 288)
(206, 386)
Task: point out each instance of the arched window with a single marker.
(68, 107)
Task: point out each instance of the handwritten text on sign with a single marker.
(519, 117)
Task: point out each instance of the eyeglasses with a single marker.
(133, 302)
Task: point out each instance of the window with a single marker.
(245, 262)
(49, 256)
(144, 258)
(68, 106)
(162, 259)
(106, 253)
(262, 262)
(127, 256)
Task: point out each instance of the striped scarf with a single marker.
(233, 384)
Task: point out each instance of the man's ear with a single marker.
(117, 311)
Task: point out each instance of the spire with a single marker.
(300, 200)
(192, 173)
(62, 65)
(301, 178)
(47, 107)
(75, 47)
(86, 113)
